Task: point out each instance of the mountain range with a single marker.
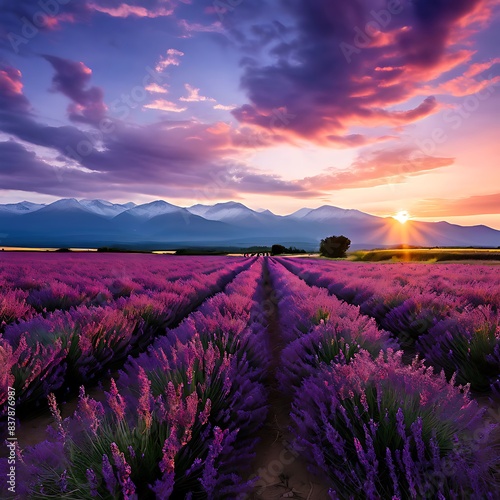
(161, 225)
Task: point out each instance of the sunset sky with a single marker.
(381, 106)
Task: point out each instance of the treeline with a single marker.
(280, 250)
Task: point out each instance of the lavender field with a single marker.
(238, 378)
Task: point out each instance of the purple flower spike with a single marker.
(400, 419)
(109, 475)
(63, 481)
(93, 485)
(205, 414)
(392, 472)
(116, 401)
(145, 398)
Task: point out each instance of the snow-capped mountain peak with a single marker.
(327, 212)
(24, 207)
(102, 207)
(199, 209)
(153, 209)
(301, 213)
(97, 202)
(230, 210)
(65, 204)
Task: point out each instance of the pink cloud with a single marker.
(126, 10)
(164, 105)
(469, 83)
(391, 166)
(357, 140)
(194, 95)
(154, 88)
(171, 59)
(224, 107)
(473, 205)
(10, 81)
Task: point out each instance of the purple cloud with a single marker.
(167, 158)
(12, 98)
(71, 79)
(344, 64)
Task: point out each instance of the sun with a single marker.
(402, 216)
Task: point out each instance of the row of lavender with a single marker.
(62, 349)
(377, 428)
(180, 421)
(449, 315)
(32, 284)
(477, 285)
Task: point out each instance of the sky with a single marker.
(378, 105)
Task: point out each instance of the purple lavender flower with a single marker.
(56, 415)
(93, 484)
(116, 401)
(205, 414)
(109, 475)
(63, 481)
(415, 403)
(392, 472)
(209, 476)
(145, 398)
(416, 429)
(400, 420)
(89, 412)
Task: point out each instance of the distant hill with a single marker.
(99, 223)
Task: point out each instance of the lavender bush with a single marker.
(380, 429)
(467, 344)
(319, 329)
(180, 421)
(66, 348)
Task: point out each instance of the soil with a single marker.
(282, 472)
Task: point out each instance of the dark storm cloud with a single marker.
(351, 63)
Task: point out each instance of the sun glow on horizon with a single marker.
(402, 216)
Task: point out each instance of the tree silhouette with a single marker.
(278, 249)
(334, 246)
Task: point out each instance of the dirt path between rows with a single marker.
(282, 471)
